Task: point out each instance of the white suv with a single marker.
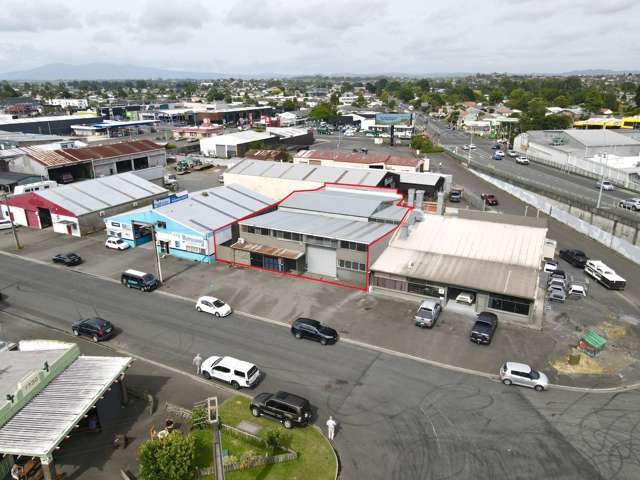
(513, 373)
(116, 243)
(231, 370)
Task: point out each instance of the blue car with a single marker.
(499, 155)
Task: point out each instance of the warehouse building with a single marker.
(496, 257)
(330, 234)
(589, 153)
(52, 125)
(49, 390)
(80, 208)
(276, 180)
(394, 163)
(234, 144)
(185, 223)
(65, 165)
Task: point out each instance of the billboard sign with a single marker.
(393, 118)
(174, 197)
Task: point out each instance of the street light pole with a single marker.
(13, 227)
(469, 149)
(603, 160)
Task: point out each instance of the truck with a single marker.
(455, 194)
(604, 275)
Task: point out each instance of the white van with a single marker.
(236, 372)
(35, 187)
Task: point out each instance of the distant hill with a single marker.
(102, 71)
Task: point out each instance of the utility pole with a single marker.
(155, 249)
(603, 160)
(13, 226)
(469, 149)
(214, 420)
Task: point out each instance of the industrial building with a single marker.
(114, 128)
(49, 390)
(496, 257)
(276, 180)
(10, 180)
(18, 139)
(394, 163)
(590, 153)
(52, 125)
(330, 234)
(80, 208)
(206, 129)
(184, 224)
(65, 165)
(234, 144)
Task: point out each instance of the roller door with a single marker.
(321, 260)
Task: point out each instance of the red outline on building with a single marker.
(400, 203)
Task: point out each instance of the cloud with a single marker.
(34, 16)
(167, 15)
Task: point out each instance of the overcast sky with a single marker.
(324, 36)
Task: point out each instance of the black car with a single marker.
(489, 199)
(497, 146)
(68, 259)
(287, 408)
(577, 258)
(313, 330)
(484, 328)
(97, 328)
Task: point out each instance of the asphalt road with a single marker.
(398, 419)
(542, 174)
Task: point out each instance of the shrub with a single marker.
(198, 419)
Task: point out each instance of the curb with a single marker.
(357, 343)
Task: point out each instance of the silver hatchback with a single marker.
(513, 373)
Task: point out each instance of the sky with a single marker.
(324, 36)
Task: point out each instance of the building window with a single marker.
(325, 242)
(263, 231)
(419, 286)
(390, 283)
(509, 304)
(251, 229)
(349, 265)
(192, 249)
(361, 247)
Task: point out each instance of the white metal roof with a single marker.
(100, 193)
(236, 138)
(47, 419)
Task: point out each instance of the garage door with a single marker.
(321, 260)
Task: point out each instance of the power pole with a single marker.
(214, 420)
(155, 250)
(13, 227)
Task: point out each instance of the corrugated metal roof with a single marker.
(100, 193)
(236, 138)
(320, 226)
(220, 206)
(420, 178)
(48, 418)
(342, 202)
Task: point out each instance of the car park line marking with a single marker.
(346, 340)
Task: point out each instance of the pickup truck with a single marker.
(484, 328)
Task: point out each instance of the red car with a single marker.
(489, 199)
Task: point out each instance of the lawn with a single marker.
(315, 460)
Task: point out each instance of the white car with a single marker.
(576, 290)
(213, 306)
(237, 373)
(466, 297)
(550, 266)
(512, 153)
(116, 243)
(522, 160)
(465, 147)
(5, 224)
(606, 185)
(472, 146)
(513, 373)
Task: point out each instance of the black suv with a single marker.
(484, 328)
(287, 408)
(68, 259)
(97, 328)
(314, 330)
(577, 258)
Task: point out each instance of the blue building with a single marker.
(184, 223)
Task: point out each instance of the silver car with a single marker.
(513, 373)
(428, 313)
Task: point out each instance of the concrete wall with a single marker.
(352, 277)
(225, 253)
(378, 247)
(25, 164)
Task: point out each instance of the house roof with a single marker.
(490, 256)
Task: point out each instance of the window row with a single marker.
(349, 265)
(509, 304)
(361, 247)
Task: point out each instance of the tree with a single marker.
(391, 103)
(322, 111)
(518, 99)
(561, 101)
(593, 100)
(334, 99)
(424, 145)
(170, 458)
(637, 98)
(360, 102)
(406, 93)
(610, 100)
(7, 90)
(496, 95)
(289, 104)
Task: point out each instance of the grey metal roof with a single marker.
(48, 418)
(391, 213)
(600, 138)
(356, 203)
(97, 194)
(220, 206)
(420, 178)
(312, 173)
(320, 226)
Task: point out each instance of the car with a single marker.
(5, 224)
(237, 373)
(522, 160)
(313, 330)
(577, 258)
(465, 147)
(284, 407)
(98, 329)
(557, 295)
(116, 243)
(558, 274)
(489, 199)
(484, 328)
(497, 146)
(7, 346)
(631, 204)
(472, 146)
(499, 155)
(144, 282)
(68, 259)
(455, 196)
(213, 306)
(466, 297)
(556, 283)
(428, 313)
(577, 290)
(513, 373)
(512, 153)
(605, 185)
(550, 266)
